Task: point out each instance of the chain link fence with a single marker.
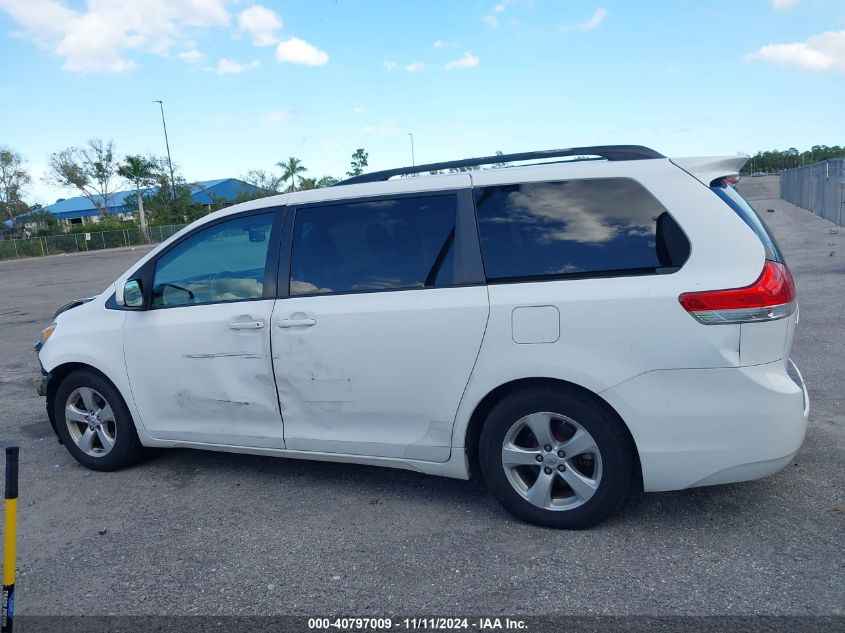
(83, 242)
(819, 188)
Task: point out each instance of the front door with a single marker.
(199, 359)
(375, 344)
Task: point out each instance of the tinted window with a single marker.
(736, 202)
(576, 228)
(224, 262)
(377, 245)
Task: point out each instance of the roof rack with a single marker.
(608, 152)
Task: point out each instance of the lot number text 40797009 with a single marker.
(418, 624)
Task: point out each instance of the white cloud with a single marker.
(261, 23)
(438, 44)
(588, 25)
(99, 37)
(297, 51)
(597, 18)
(275, 118)
(231, 67)
(467, 61)
(387, 65)
(783, 4)
(191, 56)
(415, 67)
(359, 110)
(819, 53)
(491, 18)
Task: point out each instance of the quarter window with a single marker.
(224, 262)
(374, 245)
(747, 214)
(576, 228)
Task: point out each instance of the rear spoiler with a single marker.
(710, 168)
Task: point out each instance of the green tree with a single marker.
(14, 177)
(305, 184)
(91, 169)
(266, 181)
(327, 181)
(140, 172)
(291, 170)
(164, 204)
(774, 161)
(455, 170)
(45, 223)
(500, 164)
(359, 161)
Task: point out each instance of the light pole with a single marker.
(413, 162)
(167, 145)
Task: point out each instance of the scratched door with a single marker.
(196, 379)
(377, 340)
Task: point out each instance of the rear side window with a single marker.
(736, 202)
(374, 245)
(576, 228)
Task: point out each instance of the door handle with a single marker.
(247, 325)
(296, 322)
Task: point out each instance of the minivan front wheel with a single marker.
(94, 423)
(555, 458)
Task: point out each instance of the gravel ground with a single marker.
(191, 532)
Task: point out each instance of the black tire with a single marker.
(127, 447)
(608, 432)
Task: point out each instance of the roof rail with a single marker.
(608, 152)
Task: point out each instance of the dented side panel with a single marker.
(196, 379)
(378, 374)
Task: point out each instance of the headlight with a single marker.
(47, 332)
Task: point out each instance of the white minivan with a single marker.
(568, 330)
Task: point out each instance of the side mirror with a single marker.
(133, 297)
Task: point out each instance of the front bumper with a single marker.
(43, 382)
(42, 385)
(698, 427)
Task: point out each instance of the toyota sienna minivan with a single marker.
(603, 319)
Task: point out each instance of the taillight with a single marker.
(771, 297)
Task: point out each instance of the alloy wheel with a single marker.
(552, 461)
(90, 421)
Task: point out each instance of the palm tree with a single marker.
(140, 171)
(291, 170)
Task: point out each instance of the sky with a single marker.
(245, 85)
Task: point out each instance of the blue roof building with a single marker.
(205, 193)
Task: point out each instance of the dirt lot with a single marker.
(190, 532)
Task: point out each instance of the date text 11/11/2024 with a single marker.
(418, 624)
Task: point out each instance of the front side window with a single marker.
(374, 245)
(576, 228)
(224, 262)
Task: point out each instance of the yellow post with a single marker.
(7, 614)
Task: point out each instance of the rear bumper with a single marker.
(697, 427)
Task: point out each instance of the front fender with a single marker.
(90, 335)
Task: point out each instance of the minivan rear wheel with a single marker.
(94, 422)
(555, 458)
